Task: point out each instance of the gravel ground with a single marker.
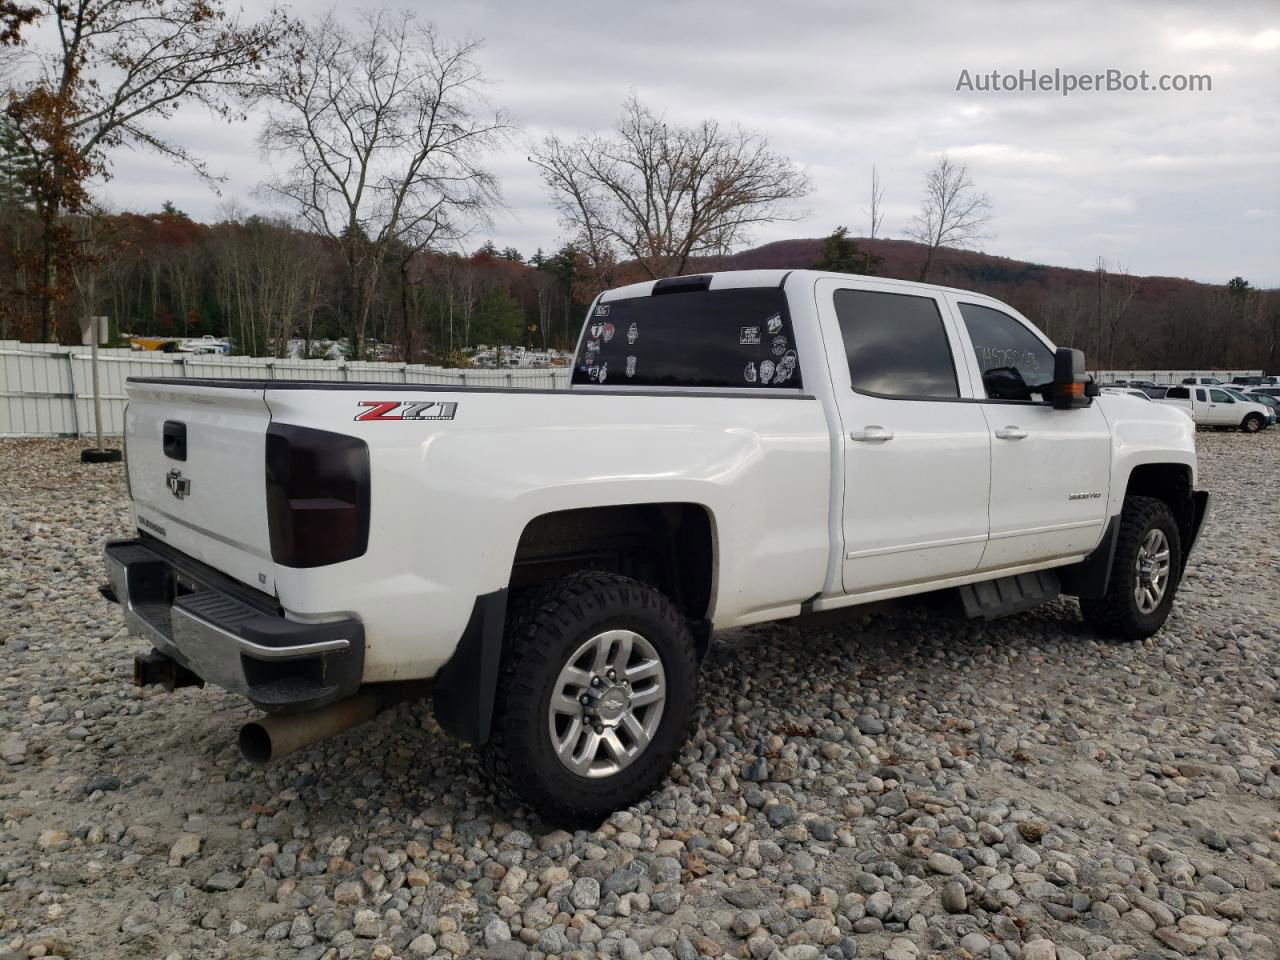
(903, 786)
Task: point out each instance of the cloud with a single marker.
(1264, 41)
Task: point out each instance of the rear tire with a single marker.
(1252, 423)
(1144, 573)
(570, 738)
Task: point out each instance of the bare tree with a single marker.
(1064, 312)
(99, 77)
(383, 129)
(1115, 290)
(659, 194)
(953, 213)
(875, 213)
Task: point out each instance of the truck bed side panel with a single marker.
(451, 498)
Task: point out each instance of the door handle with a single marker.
(1011, 433)
(871, 434)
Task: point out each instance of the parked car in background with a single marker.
(1201, 381)
(1265, 391)
(1216, 407)
(1122, 391)
(1266, 399)
(1143, 384)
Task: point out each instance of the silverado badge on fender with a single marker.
(414, 410)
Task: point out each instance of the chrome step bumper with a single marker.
(223, 633)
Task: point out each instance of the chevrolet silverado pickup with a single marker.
(548, 565)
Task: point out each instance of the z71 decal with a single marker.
(412, 410)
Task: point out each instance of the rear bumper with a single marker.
(229, 635)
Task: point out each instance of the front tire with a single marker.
(597, 685)
(1144, 573)
(1252, 423)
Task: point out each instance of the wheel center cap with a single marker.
(610, 705)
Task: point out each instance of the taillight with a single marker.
(317, 496)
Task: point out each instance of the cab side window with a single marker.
(1015, 364)
(1178, 393)
(896, 345)
(1200, 395)
(1221, 396)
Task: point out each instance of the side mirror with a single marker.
(1071, 384)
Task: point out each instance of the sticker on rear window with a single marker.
(748, 336)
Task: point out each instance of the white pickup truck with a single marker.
(1219, 407)
(548, 565)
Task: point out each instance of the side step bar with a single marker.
(1001, 597)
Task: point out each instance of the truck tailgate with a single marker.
(197, 473)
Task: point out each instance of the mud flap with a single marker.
(463, 690)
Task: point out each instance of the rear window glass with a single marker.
(703, 338)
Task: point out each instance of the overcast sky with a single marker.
(1181, 184)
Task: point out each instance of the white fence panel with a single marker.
(308, 370)
(35, 395)
(47, 389)
(1171, 376)
(365, 372)
(226, 368)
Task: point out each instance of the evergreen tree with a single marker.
(840, 254)
(499, 320)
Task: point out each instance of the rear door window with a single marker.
(896, 345)
(740, 339)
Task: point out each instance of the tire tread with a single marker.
(1114, 614)
(540, 622)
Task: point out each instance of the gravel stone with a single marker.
(901, 785)
(954, 899)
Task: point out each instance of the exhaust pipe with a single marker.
(274, 736)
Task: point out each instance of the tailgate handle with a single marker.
(175, 440)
